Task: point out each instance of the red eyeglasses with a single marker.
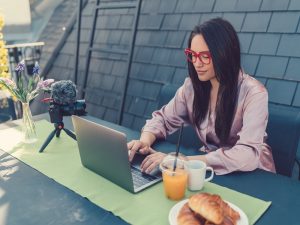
(192, 56)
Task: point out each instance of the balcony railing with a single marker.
(30, 53)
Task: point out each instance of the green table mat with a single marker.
(61, 162)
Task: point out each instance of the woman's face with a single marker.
(205, 71)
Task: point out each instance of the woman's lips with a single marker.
(201, 72)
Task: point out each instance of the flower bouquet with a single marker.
(25, 91)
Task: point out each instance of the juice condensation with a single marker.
(175, 183)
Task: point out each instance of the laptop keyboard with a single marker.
(139, 178)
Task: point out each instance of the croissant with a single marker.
(229, 213)
(213, 209)
(207, 209)
(187, 217)
(227, 221)
(207, 206)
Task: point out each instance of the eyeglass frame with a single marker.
(197, 55)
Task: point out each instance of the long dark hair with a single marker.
(224, 47)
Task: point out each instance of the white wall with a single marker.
(16, 15)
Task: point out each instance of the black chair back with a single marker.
(283, 136)
(10, 110)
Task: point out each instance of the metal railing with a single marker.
(30, 53)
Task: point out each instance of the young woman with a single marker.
(228, 108)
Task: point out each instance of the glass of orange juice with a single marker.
(174, 181)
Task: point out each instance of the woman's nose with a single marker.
(198, 63)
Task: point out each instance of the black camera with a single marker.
(57, 111)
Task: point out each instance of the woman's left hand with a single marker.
(152, 161)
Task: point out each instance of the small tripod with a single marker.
(58, 127)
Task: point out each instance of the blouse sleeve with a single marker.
(170, 117)
(244, 155)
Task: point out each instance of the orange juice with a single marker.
(175, 183)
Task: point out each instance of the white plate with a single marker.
(176, 208)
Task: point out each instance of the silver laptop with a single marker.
(104, 151)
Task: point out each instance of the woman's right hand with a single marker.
(137, 146)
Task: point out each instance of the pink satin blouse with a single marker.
(246, 148)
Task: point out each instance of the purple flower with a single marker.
(36, 68)
(20, 67)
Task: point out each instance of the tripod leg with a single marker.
(70, 133)
(58, 132)
(49, 138)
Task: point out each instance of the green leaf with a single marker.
(30, 85)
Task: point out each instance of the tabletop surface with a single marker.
(29, 197)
